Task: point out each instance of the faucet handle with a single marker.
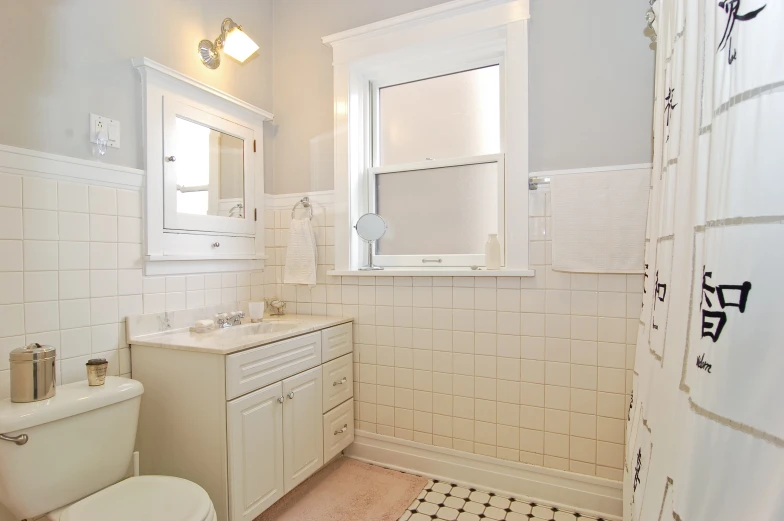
(221, 319)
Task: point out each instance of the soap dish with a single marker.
(202, 326)
(197, 329)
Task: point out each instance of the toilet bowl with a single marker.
(148, 498)
(74, 464)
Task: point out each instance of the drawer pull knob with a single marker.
(291, 395)
(280, 400)
(341, 431)
(339, 382)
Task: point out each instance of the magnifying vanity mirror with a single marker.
(370, 228)
(210, 171)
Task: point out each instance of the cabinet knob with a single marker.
(280, 400)
(341, 431)
(291, 395)
(339, 382)
(171, 159)
(216, 245)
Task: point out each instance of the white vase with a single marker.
(493, 252)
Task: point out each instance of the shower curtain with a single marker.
(705, 430)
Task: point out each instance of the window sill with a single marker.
(433, 272)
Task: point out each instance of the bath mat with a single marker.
(348, 490)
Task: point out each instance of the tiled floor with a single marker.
(440, 500)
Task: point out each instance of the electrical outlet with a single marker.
(100, 124)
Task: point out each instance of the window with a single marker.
(431, 132)
(438, 179)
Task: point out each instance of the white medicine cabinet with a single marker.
(204, 165)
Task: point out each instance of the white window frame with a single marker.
(452, 37)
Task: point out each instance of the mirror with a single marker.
(210, 171)
(370, 228)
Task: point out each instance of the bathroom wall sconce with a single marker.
(232, 40)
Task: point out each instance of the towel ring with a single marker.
(305, 202)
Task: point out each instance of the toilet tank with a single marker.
(79, 442)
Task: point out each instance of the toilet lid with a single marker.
(149, 498)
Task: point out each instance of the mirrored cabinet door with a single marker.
(208, 172)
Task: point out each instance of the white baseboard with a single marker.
(588, 495)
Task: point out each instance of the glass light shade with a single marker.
(238, 45)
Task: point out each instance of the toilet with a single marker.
(75, 464)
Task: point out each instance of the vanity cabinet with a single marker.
(255, 431)
(275, 442)
(248, 426)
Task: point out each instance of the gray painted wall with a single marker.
(590, 93)
(64, 59)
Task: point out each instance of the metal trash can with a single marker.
(32, 373)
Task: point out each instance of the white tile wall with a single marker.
(71, 271)
(535, 370)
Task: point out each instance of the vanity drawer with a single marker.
(338, 429)
(249, 370)
(336, 341)
(338, 381)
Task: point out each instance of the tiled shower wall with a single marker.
(536, 370)
(71, 271)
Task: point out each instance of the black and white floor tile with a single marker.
(449, 502)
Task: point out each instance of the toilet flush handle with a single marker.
(19, 440)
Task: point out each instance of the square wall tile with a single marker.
(103, 228)
(74, 313)
(40, 255)
(72, 197)
(74, 226)
(41, 286)
(103, 256)
(10, 190)
(40, 225)
(11, 257)
(10, 223)
(41, 316)
(129, 203)
(103, 200)
(11, 288)
(39, 193)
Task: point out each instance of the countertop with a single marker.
(236, 338)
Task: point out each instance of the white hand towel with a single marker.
(599, 221)
(300, 254)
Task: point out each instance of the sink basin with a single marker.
(261, 328)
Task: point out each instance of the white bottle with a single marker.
(493, 252)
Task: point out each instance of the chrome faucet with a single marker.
(224, 320)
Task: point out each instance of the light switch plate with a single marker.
(111, 126)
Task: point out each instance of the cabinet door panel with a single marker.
(255, 429)
(303, 452)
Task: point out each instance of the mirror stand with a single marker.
(370, 266)
(370, 228)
